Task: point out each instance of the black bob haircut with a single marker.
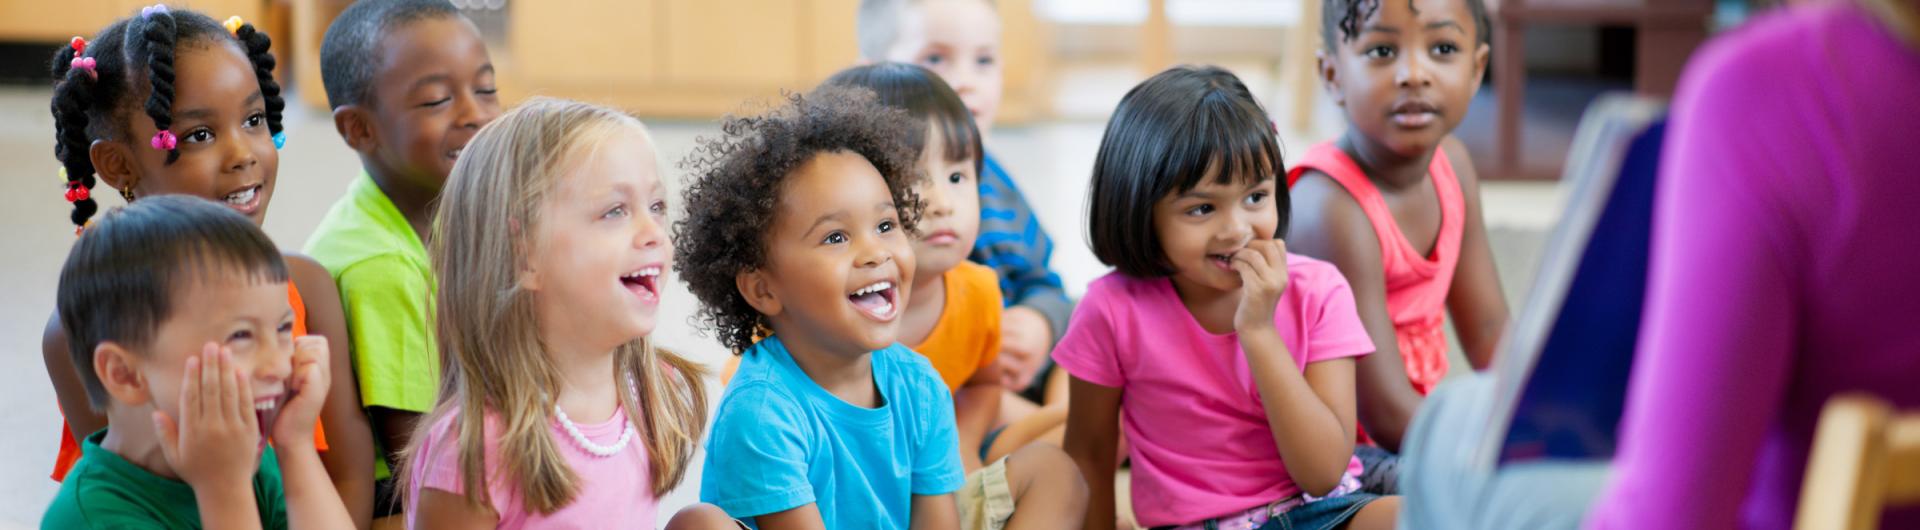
(126, 274)
(1168, 133)
(1341, 20)
(134, 57)
(736, 183)
(926, 99)
(347, 52)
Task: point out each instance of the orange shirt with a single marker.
(70, 448)
(966, 339)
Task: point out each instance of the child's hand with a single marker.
(308, 387)
(216, 442)
(1263, 277)
(1024, 337)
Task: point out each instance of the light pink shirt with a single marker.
(613, 491)
(1195, 427)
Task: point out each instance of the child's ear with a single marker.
(1329, 76)
(355, 125)
(119, 371)
(1481, 54)
(113, 163)
(754, 286)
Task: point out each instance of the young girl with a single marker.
(172, 102)
(1395, 203)
(555, 409)
(1208, 330)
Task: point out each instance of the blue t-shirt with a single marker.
(781, 441)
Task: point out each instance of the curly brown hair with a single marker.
(737, 180)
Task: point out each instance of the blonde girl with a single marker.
(555, 408)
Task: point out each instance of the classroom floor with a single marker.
(1050, 160)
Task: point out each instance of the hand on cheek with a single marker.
(216, 441)
(309, 385)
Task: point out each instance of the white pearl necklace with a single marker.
(579, 438)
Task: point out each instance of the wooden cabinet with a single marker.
(59, 20)
(692, 59)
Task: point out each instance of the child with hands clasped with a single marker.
(555, 408)
(1208, 329)
(177, 309)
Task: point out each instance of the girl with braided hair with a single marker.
(170, 101)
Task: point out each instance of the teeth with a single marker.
(265, 405)
(642, 273)
(882, 286)
(242, 196)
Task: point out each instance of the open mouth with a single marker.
(246, 200)
(877, 301)
(644, 283)
(266, 410)
(454, 154)
(1223, 261)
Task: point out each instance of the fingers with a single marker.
(169, 435)
(240, 399)
(1252, 265)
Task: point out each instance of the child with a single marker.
(1395, 202)
(410, 83)
(960, 41)
(177, 309)
(171, 102)
(953, 317)
(1208, 330)
(798, 220)
(549, 251)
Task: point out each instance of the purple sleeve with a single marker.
(1087, 349)
(1716, 341)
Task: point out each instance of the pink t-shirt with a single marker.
(613, 491)
(1195, 427)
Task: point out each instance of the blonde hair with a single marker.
(491, 354)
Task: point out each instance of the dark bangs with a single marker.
(927, 99)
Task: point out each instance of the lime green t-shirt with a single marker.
(386, 290)
(104, 490)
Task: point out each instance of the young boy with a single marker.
(176, 310)
(410, 82)
(960, 41)
(1395, 203)
(798, 229)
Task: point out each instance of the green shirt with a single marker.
(106, 491)
(386, 290)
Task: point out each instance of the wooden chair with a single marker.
(1865, 458)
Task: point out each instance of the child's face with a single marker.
(1202, 228)
(433, 91)
(220, 119)
(247, 316)
(1406, 80)
(601, 246)
(838, 262)
(951, 222)
(960, 40)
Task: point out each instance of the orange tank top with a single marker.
(1416, 285)
(70, 448)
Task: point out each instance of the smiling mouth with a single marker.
(454, 154)
(266, 410)
(244, 199)
(644, 283)
(877, 301)
(1223, 261)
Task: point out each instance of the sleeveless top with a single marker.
(1416, 285)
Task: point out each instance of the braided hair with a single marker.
(1341, 20)
(133, 54)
